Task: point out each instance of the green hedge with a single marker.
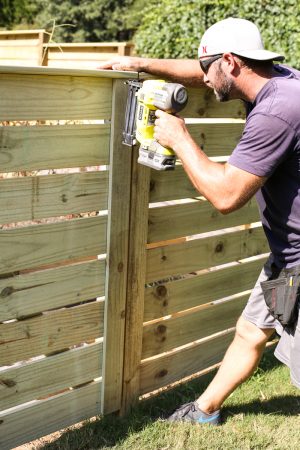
(173, 28)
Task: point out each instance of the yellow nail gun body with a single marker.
(143, 100)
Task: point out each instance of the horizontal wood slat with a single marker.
(50, 332)
(77, 63)
(180, 295)
(20, 52)
(49, 375)
(44, 417)
(168, 334)
(72, 55)
(202, 103)
(80, 54)
(172, 221)
(22, 41)
(19, 62)
(171, 185)
(204, 253)
(42, 97)
(33, 246)
(35, 292)
(52, 147)
(37, 197)
(176, 366)
(216, 139)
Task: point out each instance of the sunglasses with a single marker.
(205, 65)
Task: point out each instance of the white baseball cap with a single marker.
(238, 36)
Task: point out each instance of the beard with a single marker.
(223, 92)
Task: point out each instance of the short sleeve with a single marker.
(266, 141)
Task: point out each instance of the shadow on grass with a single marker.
(111, 430)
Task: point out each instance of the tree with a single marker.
(84, 20)
(14, 12)
(173, 28)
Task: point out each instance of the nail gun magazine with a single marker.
(143, 99)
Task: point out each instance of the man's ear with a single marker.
(230, 62)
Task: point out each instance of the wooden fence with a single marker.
(115, 280)
(31, 48)
(22, 48)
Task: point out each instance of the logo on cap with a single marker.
(204, 49)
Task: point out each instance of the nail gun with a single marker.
(144, 98)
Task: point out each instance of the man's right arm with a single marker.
(185, 71)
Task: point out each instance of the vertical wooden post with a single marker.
(117, 254)
(136, 282)
(41, 47)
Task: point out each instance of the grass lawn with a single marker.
(264, 413)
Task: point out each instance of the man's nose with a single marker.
(205, 79)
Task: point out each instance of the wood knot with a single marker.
(152, 185)
(162, 373)
(161, 329)
(120, 267)
(123, 314)
(161, 291)
(6, 292)
(64, 198)
(219, 247)
(8, 383)
(163, 258)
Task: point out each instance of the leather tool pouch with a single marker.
(282, 295)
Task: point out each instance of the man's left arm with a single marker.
(227, 187)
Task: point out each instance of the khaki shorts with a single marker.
(256, 312)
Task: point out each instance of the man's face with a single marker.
(223, 84)
(219, 81)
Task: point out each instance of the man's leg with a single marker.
(253, 330)
(240, 361)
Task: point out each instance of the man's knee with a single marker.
(251, 334)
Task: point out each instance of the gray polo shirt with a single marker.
(270, 147)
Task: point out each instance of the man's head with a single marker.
(230, 46)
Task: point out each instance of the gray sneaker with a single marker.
(190, 412)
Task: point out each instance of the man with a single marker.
(266, 162)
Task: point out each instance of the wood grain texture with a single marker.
(75, 55)
(175, 366)
(37, 197)
(170, 185)
(52, 147)
(42, 97)
(204, 253)
(22, 48)
(202, 103)
(136, 283)
(167, 334)
(44, 417)
(117, 252)
(176, 296)
(33, 246)
(216, 139)
(36, 379)
(173, 221)
(50, 332)
(110, 74)
(35, 292)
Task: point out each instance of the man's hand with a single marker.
(170, 130)
(126, 63)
